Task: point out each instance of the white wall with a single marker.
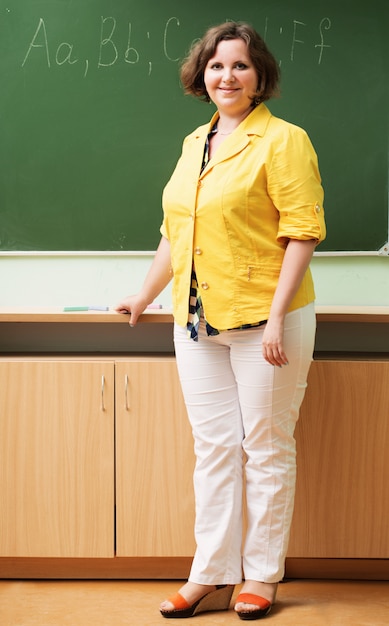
(70, 280)
(61, 280)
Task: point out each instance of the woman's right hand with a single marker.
(134, 305)
(158, 277)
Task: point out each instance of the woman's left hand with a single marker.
(273, 343)
(296, 261)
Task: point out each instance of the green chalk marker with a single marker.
(68, 309)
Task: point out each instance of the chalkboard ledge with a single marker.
(324, 313)
(57, 314)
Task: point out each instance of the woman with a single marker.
(242, 216)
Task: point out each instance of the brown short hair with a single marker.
(193, 66)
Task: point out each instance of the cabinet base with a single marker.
(342, 569)
(166, 568)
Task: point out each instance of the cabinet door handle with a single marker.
(102, 392)
(127, 405)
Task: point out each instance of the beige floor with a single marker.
(118, 603)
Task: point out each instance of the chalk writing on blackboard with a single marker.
(108, 52)
(325, 24)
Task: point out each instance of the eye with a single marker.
(241, 66)
(216, 66)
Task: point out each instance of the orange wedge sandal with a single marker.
(264, 606)
(217, 600)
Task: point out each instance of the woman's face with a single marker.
(230, 77)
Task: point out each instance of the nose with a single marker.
(228, 76)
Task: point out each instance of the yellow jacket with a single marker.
(261, 188)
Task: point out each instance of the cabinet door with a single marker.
(342, 497)
(154, 455)
(56, 458)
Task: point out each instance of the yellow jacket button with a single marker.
(317, 208)
(204, 286)
(198, 251)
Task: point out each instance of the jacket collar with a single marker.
(254, 124)
(257, 122)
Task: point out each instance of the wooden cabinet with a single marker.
(96, 461)
(154, 455)
(342, 496)
(56, 458)
(59, 471)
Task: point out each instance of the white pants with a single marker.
(243, 413)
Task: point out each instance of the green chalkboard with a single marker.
(92, 114)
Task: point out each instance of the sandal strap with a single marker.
(251, 598)
(178, 601)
